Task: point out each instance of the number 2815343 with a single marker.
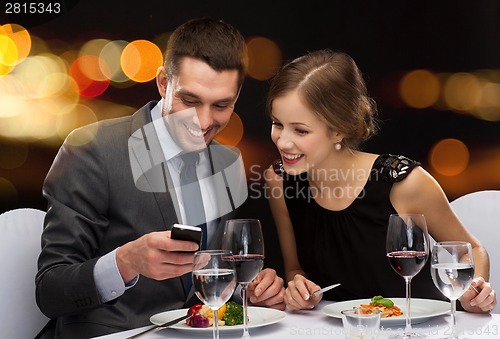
(32, 8)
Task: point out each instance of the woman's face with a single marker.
(303, 140)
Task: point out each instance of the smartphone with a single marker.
(186, 232)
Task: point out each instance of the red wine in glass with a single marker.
(407, 263)
(247, 266)
(243, 237)
(407, 249)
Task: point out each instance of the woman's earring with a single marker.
(338, 146)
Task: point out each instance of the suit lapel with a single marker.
(149, 167)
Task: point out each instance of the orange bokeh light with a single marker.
(110, 58)
(419, 89)
(15, 46)
(86, 86)
(21, 38)
(449, 157)
(264, 58)
(8, 54)
(232, 134)
(462, 92)
(140, 60)
(94, 68)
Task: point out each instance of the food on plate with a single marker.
(379, 300)
(385, 305)
(230, 314)
(197, 320)
(234, 314)
(194, 309)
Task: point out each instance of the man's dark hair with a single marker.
(214, 42)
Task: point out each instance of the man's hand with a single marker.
(267, 289)
(156, 256)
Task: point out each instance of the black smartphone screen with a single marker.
(185, 232)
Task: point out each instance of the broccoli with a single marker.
(234, 314)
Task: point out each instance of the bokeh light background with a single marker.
(432, 66)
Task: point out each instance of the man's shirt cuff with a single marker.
(108, 280)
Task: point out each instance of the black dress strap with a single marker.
(388, 167)
(394, 168)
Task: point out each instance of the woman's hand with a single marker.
(483, 302)
(298, 293)
(267, 289)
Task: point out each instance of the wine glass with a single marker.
(214, 281)
(452, 270)
(407, 249)
(243, 237)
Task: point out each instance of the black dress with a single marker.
(348, 246)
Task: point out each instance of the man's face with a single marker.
(199, 102)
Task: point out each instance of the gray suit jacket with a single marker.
(94, 206)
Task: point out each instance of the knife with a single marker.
(161, 327)
(324, 289)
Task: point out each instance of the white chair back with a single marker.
(20, 230)
(480, 213)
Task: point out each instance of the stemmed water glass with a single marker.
(243, 237)
(452, 270)
(214, 281)
(407, 249)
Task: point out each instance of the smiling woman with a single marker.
(321, 113)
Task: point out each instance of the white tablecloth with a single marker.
(315, 324)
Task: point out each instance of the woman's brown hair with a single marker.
(331, 85)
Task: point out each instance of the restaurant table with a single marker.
(315, 324)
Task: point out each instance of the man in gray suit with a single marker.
(108, 262)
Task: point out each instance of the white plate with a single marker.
(421, 310)
(258, 316)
